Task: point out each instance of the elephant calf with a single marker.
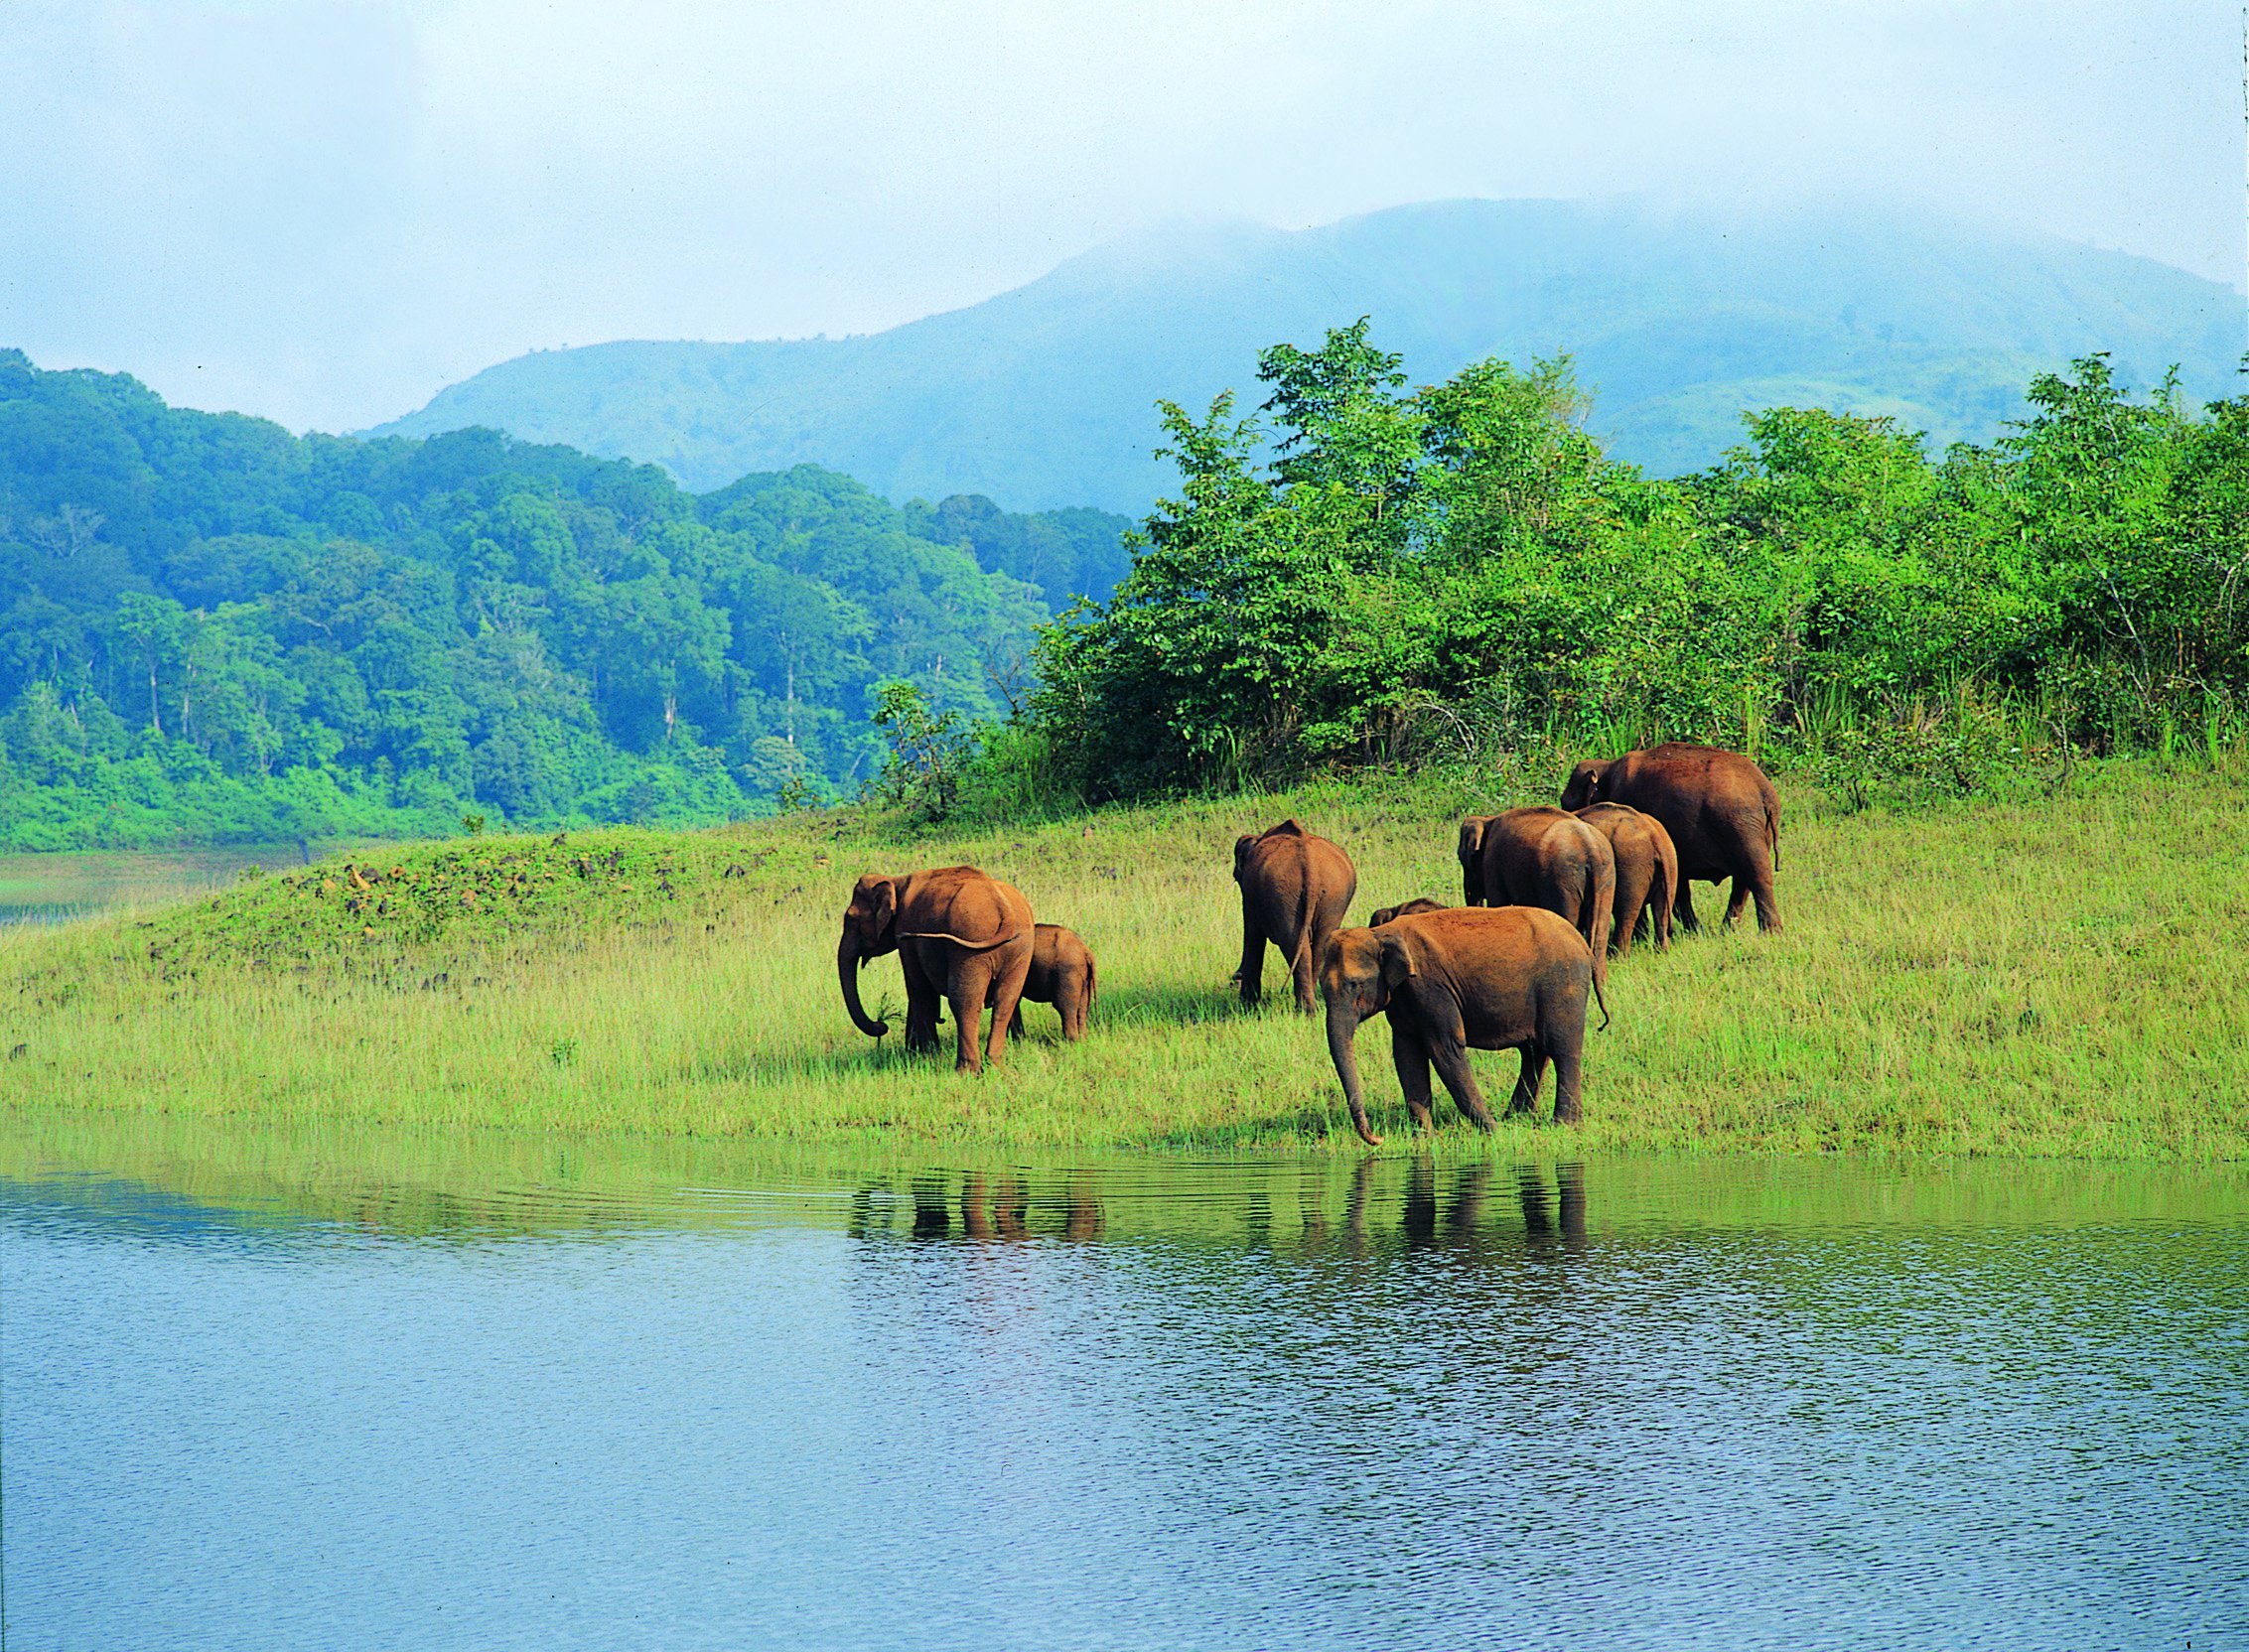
(1647, 872)
(1452, 981)
(1409, 908)
(1061, 974)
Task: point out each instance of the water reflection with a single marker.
(273, 1394)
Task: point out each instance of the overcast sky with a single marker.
(324, 212)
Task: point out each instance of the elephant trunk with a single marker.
(848, 959)
(1342, 1027)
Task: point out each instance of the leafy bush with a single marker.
(1448, 575)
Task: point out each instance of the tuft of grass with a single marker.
(2048, 977)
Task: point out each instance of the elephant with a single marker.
(1410, 908)
(1647, 872)
(1295, 890)
(1061, 974)
(958, 934)
(1544, 857)
(1720, 810)
(1462, 979)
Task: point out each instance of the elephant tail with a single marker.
(1092, 980)
(1773, 825)
(1600, 999)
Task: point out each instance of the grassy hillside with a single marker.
(2059, 977)
(1043, 396)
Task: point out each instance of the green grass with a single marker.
(2055, 978)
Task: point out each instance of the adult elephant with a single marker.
(1720, 810)
(1453, 981)
(1647, 872)
(960, 933)
(1295, 890)
(1542, 855)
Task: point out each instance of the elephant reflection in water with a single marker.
(1539, 1216)
(1000, 1208)
(1456, 1220)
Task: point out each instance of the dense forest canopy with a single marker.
(212, 628)
(1359, 573)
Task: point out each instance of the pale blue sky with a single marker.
(325, 212)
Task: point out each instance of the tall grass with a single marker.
(2048, 976)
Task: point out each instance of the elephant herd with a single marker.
(1547, 894)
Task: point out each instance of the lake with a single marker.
(52, 888)
(350, 1390)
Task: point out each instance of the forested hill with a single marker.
(213, 629)
(1678, 323)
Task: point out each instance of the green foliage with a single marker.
(1460, 573)
(211, 630)
(927, 750)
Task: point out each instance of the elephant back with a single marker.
(964, 905)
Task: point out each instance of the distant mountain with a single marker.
(1043, 396)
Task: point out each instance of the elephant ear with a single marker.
(883, 902)
(1398, 960)
(1242, 847)
(1472, 836)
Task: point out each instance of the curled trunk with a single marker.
(1342, 1026)
(848, 960)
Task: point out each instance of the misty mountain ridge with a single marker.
(1678, 321)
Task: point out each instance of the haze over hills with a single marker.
(1044, 396)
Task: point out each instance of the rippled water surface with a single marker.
(325, 1393)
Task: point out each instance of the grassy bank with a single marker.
(2062, 977)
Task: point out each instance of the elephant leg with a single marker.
(1524, 1102)
(1569, 1100)
(1302, 973)
(1738, 900)
(1760, 887)
(1072, 1008)
(966, 990)
(1252, 957)
(1562, 1034)
(1411, 1057)
(1631, 896)
(1451, 1058)
(1014, 1023)
(1683, 905)
(922, 1013)
(1004, 980)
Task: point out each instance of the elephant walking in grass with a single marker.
(1544, 857)
(1457, 980)
(960, 935)
(1295, 890)
(1721, 812)
(1647, 872)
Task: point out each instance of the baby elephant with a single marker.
(1471, 978)
(1410, 908)
(1061, 974)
